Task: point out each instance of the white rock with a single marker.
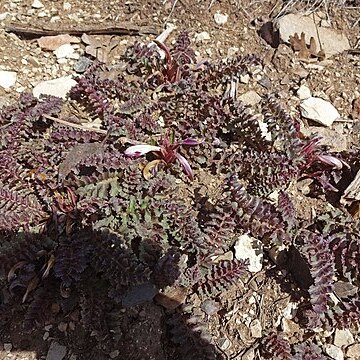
(244, 78)
(58, 87)
(7, 79)
(37, 4)
(334, 352)
(220, 19)
(203, 36)
(343, 338)
(64, 51)
(232, 51)
(332, 42)
(319, 110)
(3, 16)
(247, 247)
(256, 329)
(250, 98)
(304, 92)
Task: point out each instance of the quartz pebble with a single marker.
(220, 19)
(247, 247)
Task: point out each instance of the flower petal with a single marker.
(136, 151)
(331, 160)
(191, 142)
(186, 166)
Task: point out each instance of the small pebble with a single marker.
(8, 347)
(220, 19)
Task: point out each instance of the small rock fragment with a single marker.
(114, 354)
(62, 326)
(247, 247)
(7, 79)
(220, 19)
(334, 352)
(37, 4)
(343, 337)
(244, 78)
(56, 351)
(224, 343)
(319, 110)
(82, 65)
(171, 297)
(8, 347)
(3, 16)
(356, 109)
(250, 98)
(256, 329)
(303, 92)
(57, 87)
(64, 51)
(53, 42)
(210, 307)
(203, 36)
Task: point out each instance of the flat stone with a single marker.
(201, 37)
(220, 19)
(64, 51)
(53, 42)
(250, 98)
(57, 87)
(247, 247)
(343, 338)
(303, 92)
(56, 351)
(353, 352)
(332, 41)
(334, 352)
(319, 110)
(7, 79)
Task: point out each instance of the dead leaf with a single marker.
(151, 168)
(305, 51)
(100, 47)
(12, 271)
(32, 285)
(77, 154)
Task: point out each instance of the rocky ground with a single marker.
(320, 83)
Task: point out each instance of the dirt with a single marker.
(234, 327)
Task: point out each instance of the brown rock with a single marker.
(353, 352)
(356, 109)
(171, 297)
(53, 42)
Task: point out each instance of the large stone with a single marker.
(334, 352)
(56, 351)
(7, 79)
(57, 87)
(319, 110)
(332, 41)
(343, 338)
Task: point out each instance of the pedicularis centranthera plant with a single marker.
(81, 226)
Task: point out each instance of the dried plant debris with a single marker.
(305, 51)
(82, 228)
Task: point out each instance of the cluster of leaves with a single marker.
(81, 226)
